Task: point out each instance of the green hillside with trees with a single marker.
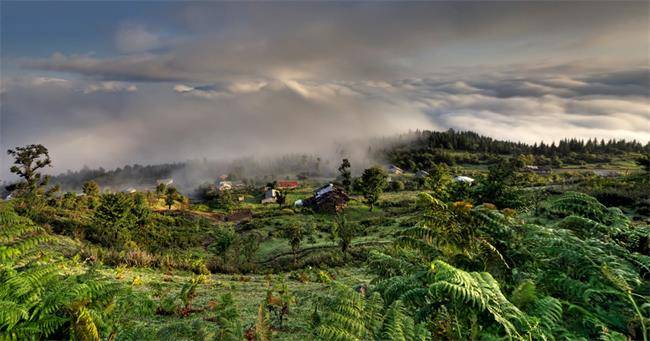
(546, 242)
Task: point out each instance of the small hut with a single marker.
(327, 199)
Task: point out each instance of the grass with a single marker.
(249, 291)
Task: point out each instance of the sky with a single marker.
(114, 83)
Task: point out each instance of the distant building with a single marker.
(287, 184)
(538, 169)
(392, 169)
(224, 185)
(421, 174)
(129, 190)
(327, 199)
(270, 196)
(464, 179)
(606, 173)
(166, 182)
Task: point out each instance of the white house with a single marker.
(270, 196)
(224, 185)
(395, 170)
(421, 174)
(166, 182)
(465, 179)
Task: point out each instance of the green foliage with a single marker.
(37, 300)
(644, 162)
(171, 196)
(161, 189)
(349, 315)
(228, 319)
(90, 188)
(373, 182)
(449, 231)
(397, 186)
(294, 233)
(344, 230)
(578, 278)
(438, 181)
(345, 174)
(278, 301)
(224, 238)
(28, 160)
(225, 201)
(499, 186)
(113, 221)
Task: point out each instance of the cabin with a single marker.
(327, 199)
(464, 179)
(287, 184)
(270, 196)
(392, 169)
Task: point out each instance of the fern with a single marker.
(37, 300)
(348, 315)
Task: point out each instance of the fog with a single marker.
(228, 81)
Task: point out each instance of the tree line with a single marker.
(423, 148)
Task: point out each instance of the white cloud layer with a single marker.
(163, 122)
(270, 78)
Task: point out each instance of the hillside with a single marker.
(516, 254)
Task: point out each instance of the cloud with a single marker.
(230, 119)
(132, 37)
(48, 80)
(109, 87)
(133, 67)
(223, 88)
(270, 78)
(363, 41)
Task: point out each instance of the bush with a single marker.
(397, 186)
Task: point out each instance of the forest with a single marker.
(469, 238)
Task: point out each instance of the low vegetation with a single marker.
(516, 254)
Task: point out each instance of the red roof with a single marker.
(287, 184)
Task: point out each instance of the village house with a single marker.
(392, 169)
(464, 179)
(166, 182)
(538, 169)
(224, 185)
(287, 184)
(606, 173)
(270, 196)
(421, 174)
(327, 199)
